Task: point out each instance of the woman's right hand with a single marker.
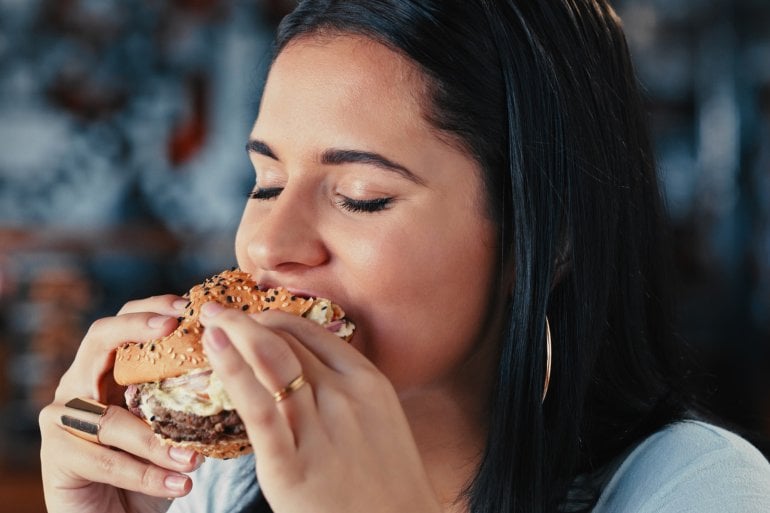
(130, 471)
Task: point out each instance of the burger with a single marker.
(170, 384)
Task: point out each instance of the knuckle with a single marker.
(129, 306)
(153, 443)
(274, 356)
(262, 417)
(370, 382)
(149, 478)
(164, 298)
(230, 315)
(46, 418)
(106, 463)
(97, 326)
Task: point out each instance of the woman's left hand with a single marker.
(342, 443)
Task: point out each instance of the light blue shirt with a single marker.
(687, 467)
(690, 467)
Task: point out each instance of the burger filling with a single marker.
(195, 406)
(191, 407)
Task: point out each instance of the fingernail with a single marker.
(211, 309)
(215, 338)
(175, 482)
(199, 460)
(157, 321)
(181, 455)
(180, 305)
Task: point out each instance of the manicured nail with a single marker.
(157, 321)
(211, 309)
(215, 338)
(199, 460)
(180, 305)
(181, 455)
(175, 482)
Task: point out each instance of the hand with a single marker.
(130, 470)
(341, 443)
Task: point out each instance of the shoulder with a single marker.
(220, 486)
(690, 466)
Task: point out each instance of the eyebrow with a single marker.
(335, 156)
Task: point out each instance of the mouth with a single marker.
(294, 291)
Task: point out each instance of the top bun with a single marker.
(182, 351)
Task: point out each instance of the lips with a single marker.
(303, 293)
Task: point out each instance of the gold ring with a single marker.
(293, 386)
(82, 428)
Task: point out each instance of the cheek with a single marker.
(426, 297)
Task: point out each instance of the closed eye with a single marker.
(373, 205)
(265, 194)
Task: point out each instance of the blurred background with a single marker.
(123, 174)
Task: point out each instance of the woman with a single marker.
(473, 182)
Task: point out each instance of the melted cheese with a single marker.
(189, 400)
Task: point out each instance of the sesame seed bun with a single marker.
(144, 366)
(221, 450)
(182, 350)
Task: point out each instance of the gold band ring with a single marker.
(292, 387)
(82, 428)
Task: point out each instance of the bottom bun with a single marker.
(225, 449)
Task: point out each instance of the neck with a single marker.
(450, 429)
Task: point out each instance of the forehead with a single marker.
(344, 77)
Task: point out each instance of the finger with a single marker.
(118, 428)
(121, 429)
(91, 462)
(327, 347)
(273, 361)
(269, 430)
(276, 366)
(94, 358)
(100, 464)
(167, 304)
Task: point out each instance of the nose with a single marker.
(286, 236)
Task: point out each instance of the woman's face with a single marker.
(361, 201)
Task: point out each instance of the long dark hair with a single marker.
(543, 95)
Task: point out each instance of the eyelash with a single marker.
(265, 194)
(351, 205)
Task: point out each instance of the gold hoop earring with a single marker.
(547, 358)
